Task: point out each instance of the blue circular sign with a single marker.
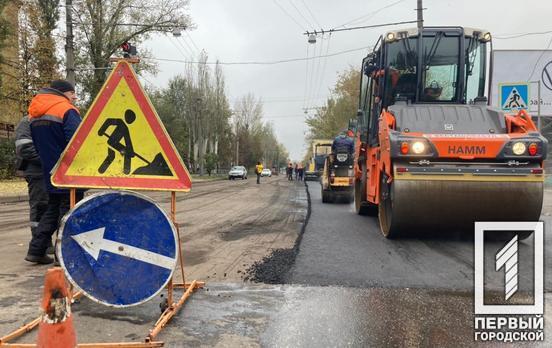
(119, 247)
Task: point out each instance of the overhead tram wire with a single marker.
(193, 51)
(369, 15)
(178, 47)
(274, 62)
(301, 14)
(309, 91)
(318, 72)
(540, 57)
(312, 64)
(282, 61)
(518, 35)
(192, 40)
(306, 79)
(311, 14)
(321, 83)
(289, 15)
(314, 72)
(360, 27)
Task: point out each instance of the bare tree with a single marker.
(248, 111)
(103, 25)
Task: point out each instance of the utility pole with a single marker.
(420, 11)
(69, 53)
(420, 48)
(237, 144)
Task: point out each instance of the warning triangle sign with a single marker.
(514, 101)
(122, 143)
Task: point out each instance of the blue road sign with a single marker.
(514, 96)
(120, 248)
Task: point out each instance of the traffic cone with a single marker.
(56, 327)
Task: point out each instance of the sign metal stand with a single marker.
(171, 307)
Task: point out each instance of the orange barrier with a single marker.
(56, 326)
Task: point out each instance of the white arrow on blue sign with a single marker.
(120, 248)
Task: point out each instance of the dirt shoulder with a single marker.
(226, 226)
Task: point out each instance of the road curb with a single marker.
(25, 197)
(14, 199)
(276, 267)
(297, 244)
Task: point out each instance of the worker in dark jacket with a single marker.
(343, 143)
(28, 162)
(54, 120)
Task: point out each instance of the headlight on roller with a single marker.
(418, 147)
(519, 148)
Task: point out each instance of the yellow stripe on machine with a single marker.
(469, 177)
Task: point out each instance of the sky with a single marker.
(245, 31)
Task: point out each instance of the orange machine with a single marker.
(430, 153)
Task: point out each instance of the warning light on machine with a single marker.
(404, 148)
(128, 50)
(533, 149)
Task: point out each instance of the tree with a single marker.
(34, 61)
(211, 160)
(4, 32)
(44, 20)
(195, 109)
(103, 25)
(340, 107)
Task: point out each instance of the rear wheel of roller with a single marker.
(385, 209)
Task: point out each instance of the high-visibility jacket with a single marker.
(54, 120)
(259, 168)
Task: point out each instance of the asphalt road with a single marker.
(226, 226)
(349, 286)
(342, 248)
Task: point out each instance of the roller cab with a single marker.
(320, 149)
(432, 155)
(337, 177)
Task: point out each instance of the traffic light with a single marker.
(128, 49)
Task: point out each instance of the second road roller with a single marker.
(431, 154)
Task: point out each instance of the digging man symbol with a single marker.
(119, 140)
(120, 133)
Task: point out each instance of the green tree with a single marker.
(211, 160)
(45, 17)
(339, 108)
(7, 158)
(4, 32)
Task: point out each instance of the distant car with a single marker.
(266, 172)
(237, 172)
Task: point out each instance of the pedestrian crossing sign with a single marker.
(121, 143)
(514, 96)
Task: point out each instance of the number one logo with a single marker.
(507, 257)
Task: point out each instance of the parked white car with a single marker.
(237, 172)
(266, 172)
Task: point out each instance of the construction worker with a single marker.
(54, 120)
(289, 172)
(258, 171)
(343, 142)
(29, 166)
